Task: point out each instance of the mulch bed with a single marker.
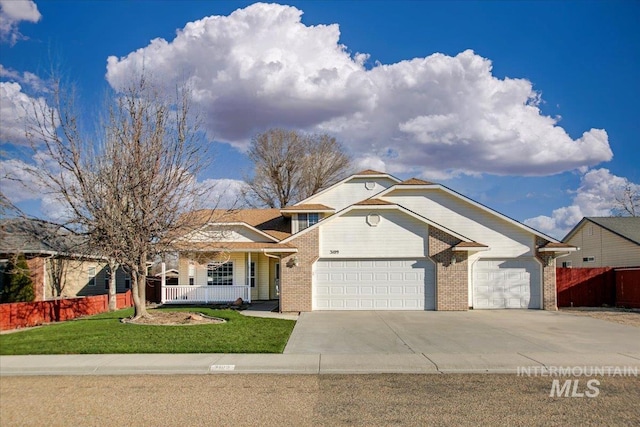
(175, 318)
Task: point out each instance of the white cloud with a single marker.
(16, 109)
(25, 78)
(18, 184)
(261, 67)
(224, 193)
(12, 12)
(596, 196)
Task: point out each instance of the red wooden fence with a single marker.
(585, 287)
(24, 314)
(628, 287)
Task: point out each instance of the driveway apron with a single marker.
(475, 332)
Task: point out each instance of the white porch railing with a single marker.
(186, 294)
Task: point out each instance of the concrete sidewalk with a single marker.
(434, 363)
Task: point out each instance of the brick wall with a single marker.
(452, 289)
(549, 301)
(295, 286)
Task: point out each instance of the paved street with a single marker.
(300, 400)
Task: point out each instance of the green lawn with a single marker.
(104, 333)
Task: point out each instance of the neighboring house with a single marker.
(604, 242)
(57, 262)
(370, 242)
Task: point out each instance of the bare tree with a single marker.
(125, 190)
(325, 163)
(290, 166)
(628, 201)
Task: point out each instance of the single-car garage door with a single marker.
(374, 284)
(506, 283)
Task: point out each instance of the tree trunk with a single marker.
(139, 293)
(113, 301)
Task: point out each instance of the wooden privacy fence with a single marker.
(628, 287)
(596, 287)
(25, 314)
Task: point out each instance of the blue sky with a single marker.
(528, 107)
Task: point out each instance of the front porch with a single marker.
(223, 277)
(185, 294)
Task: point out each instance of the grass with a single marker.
(104, 334)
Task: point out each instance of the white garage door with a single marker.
(506, 283)
(374, 284)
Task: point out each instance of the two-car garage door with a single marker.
(409, 284)
(374, 284)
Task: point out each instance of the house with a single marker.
(57, 261)
(604, 242)
(370, 242)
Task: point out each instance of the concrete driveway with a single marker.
(472, 332)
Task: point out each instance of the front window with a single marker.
(220, 274)
(306, 220)
(91, 276)
(252, 275)
(192, 273)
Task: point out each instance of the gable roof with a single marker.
(626, 227)
(373, 202)
(416, 181)
(288, 211)
(38, 237)
(365, 173)
(267, 221)
(234, 246)
(369, 172)
(382, 205)
(419, 184)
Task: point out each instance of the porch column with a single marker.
(248, 276)
(163, 282)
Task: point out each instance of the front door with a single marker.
(274, 280)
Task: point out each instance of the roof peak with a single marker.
(373, 202)
(370, 172)
(415, 181)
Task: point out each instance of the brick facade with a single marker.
(452, 279)
(549, 296)
(296, 281)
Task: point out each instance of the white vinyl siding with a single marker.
(374, 284)
(506, 283)
(397, 235)
(350, 192)
(503, 238)
(227, 233)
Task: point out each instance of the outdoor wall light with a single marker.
(453, 259)
(295, 261)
